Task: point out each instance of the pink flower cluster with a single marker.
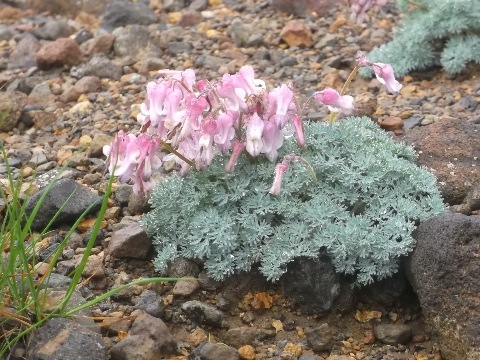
(199, 119)
(360, 8)
(194, 120)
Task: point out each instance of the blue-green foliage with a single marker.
(360, 207)
(445, 32)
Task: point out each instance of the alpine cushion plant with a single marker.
(344, 187)
(442, 32)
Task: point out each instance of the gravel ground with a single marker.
(82, 101)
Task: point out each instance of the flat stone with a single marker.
(211, 351)
(71, 197)
(320, 338)
(202, 313)
(393, 334)
(297, 33)
(129, 242)
(64, 339)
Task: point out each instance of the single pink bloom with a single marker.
(147, 161)
(254, 132)
(299, 134)
(205, 155)
(225, 131)
(234, 97)
(238, 148)
(122, 154)
(272, 140)
(334, 101)
(383, 72)
(280, 169)
(279, 104)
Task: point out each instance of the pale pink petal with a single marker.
(335, 102)
(254, 135)
(280, 169)
(238, 148)
(299, 134)
(384, 74)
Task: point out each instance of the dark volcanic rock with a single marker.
(65, 191)
(443, 271)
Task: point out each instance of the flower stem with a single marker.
(167, 147)
(333, 115)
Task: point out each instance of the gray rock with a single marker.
(313, 284)
(179, 47)
(173, 5)
(84, 85)
(211, 351)
(120, 13)
(129, 242)
(23, 56)
(207, 283)
(52, 29)
(203, 314)
(305, 7)
(102, 67)
(64, 339)
(122, 194)
(133, 41)
(320, 338)
(316, 357)
(138, 205)
(148, 339)
(247, 335)
(393, 334)
(239, 32)
(198, 5)
(11, 107)
(443, 271)
(56, 281)
(74, 198)
(181, 267)
(150, 302)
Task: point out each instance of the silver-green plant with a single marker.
(359, 199)
(442, 32)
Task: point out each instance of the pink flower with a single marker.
(272, 140)
(146, 161)
(225, 131)
(334, 101)
(360, 7)
(121, 154)
(383, 72)
(133, 158)
(238, 148)
(299, 134)
(280, 169)
(254, 132)
(280, 105)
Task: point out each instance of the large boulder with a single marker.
(444, 272)
(451, 149)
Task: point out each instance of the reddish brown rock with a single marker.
(305, 7)
(297, 33)
(101, 44)
(63, 51)
(392, 123)
(451, 149)
(11, 107)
